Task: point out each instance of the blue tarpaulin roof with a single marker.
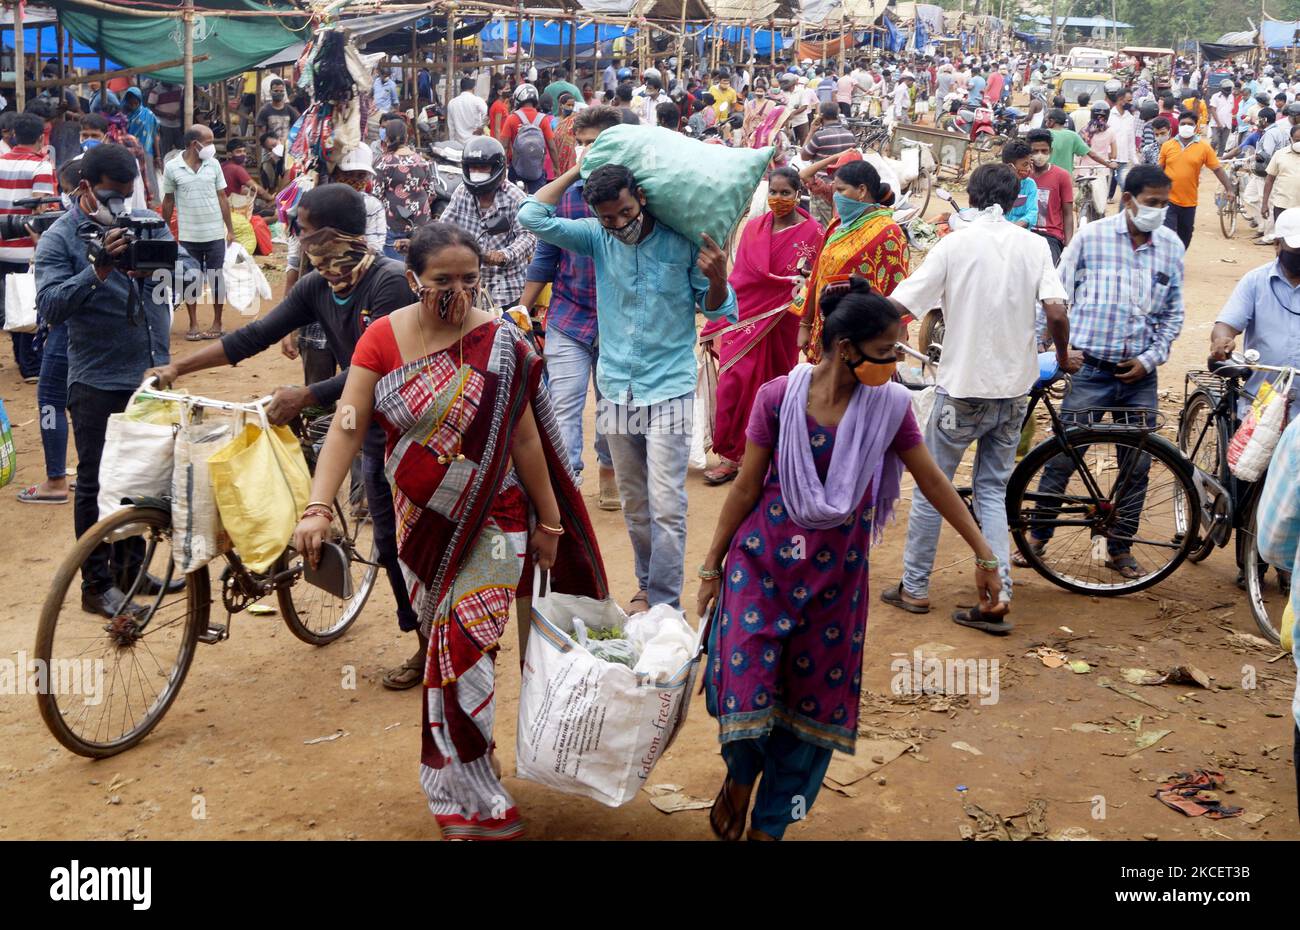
(1080, 22)
(85, 55)
(548, 41)
(1279, 34)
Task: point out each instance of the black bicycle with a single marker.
(871, 133)
(1227, 503)
(138, 660)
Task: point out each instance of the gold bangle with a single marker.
(708, 574)
(311, 504)
(553, 530)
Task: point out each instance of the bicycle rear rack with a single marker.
(1121, 419)
(1206, 381)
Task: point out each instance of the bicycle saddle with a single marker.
(1227, 368)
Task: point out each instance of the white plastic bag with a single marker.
(196, 524)
(589, 727)
(20, 302)
(246, 286)
(137, 460)
(1252, 446)
(702, 416)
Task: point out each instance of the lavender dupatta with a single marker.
(862, 453)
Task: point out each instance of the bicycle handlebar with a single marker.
(197, 401)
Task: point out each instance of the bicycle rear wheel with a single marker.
(1227, 217)
(1267, 589)
(134, 666)
(1104, 506)
(1196, 411)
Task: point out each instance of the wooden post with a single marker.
(451, 59)
(681, 45)
(519, 41)
(40, 65)
(573, 48)
(413, 88)
(20, 70)
(58, 47)
(840, 58)
(189, 65)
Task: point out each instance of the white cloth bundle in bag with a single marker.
(589, 727)
(1251, 449)
(137, 460)
(246, 286)
(196, 524)
(20, 302)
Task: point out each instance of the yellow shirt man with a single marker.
(1202, 112)
(724, 99)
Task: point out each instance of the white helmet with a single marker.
(525, 93)
(359, 158)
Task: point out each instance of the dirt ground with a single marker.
(232, 748)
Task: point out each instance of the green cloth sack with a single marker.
(690, 186)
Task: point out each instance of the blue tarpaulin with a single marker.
(549, 41)
(1279, 35)
(85, 55)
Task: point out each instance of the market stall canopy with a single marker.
(39, 32)
(1216, 51)
(661, 10)
(370, 31)
(549, 40)
(1078, 22)
(232, 44)
(1249, 37)
(829, 11)
(1280, 34)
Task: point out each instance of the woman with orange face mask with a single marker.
(826, 448)
(776, 249)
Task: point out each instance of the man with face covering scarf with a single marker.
(351, 285)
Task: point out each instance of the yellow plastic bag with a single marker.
(244, 233)
(261, 485)
(1288, 626)
(145, 409)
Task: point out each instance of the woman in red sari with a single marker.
(481, 494)
(773, 249)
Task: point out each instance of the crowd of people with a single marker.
(470, 434)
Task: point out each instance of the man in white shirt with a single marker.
(466, 113)
(1124, 127)
(902, 104)
(1221, 107)
(988, 277)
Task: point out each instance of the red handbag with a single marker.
(263, 233)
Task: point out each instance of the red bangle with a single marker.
(318, 511)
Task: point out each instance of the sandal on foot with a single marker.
(639, 604)
(975, 619)
(407, 675)
(209, 334)
(32, 495)
(194, 336)
(733, 821)
(1018, 558)
(1126, 565)
(721, 474)
(894, 598)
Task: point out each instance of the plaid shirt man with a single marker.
(1124, 302)
(497, 230)
(573, 277)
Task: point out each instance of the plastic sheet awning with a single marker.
(1280, 34)
(549, 40)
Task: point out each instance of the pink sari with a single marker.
(762, 344)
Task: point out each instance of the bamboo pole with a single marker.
(771, 25)
(39, 65)
(107, 75)
(519, 41)
(573, 47)
(451, 60)
(58, 45)
(20, 68)
(188, 64)
(681, 45)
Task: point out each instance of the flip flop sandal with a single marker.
(721, 475)
(733, 823)
(1018, 559)
(30, 496)
(639, 598)
(193, 337)
(1126, 565)
(973, 618)
(407, 675)
(894, 598)
(210, 334)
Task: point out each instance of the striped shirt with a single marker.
(23, 174)
(831, 139)
(1278, 538)
(198, 208)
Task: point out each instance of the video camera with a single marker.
(144, 255)
(14, 226)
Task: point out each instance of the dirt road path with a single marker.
(232, 747)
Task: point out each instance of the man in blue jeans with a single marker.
(572, 344)
(1124, 278)
(987, 277)
(649, 279)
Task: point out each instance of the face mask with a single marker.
(1290, 262)
(111, 204)
(1186, 131)
(67, 201)
(1162, 138)
(579, 151)
(1295, 146)
(450, 305)
(207, 151)
(239, 159)
(1148, 219)
(277, 95)
(383, 134)
(278, 151)
(88, 144)
(631, 232)
(872, 372)
(1040, 159)
(780, 206)
(847, 208)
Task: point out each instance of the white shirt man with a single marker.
(902, 99)
(466, 115)
(1221, 106)
(1123, 125)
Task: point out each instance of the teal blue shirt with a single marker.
(645, 304)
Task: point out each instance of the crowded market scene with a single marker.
(504, 354)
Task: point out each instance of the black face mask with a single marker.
(1290, 261)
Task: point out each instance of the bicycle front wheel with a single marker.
(1267, 589)
(1075, 516)
(1199, 410)
(1227, 217)
(109, 681)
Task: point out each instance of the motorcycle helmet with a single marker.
(625, 74)
(1113, 86)
(483, 164)
(1149, 110)
(525, 94)
(1100, 108)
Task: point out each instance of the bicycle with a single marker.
(146, 651)
(1230, 210)
(1085, 198)
(1104, 500)
(871, 133)
(1227, 503)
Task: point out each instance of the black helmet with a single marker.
(1149, 110)
(483, 153)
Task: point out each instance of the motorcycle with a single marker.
(976, 125)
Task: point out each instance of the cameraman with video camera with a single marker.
(119, 326)
(24, 173)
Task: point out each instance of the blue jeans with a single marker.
(379, 498)
(1091, 387)
(994, 427)
(389, 238)
(52, 401)
(570, 367)
(650, 447)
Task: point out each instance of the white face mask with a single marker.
(478, 176)
(278, 151)
(1186, 130)
(1295, 146)
(207, 152)
(1148, 219)
(579, 151)
(1040, 158)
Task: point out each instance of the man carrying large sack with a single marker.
(648, 281)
